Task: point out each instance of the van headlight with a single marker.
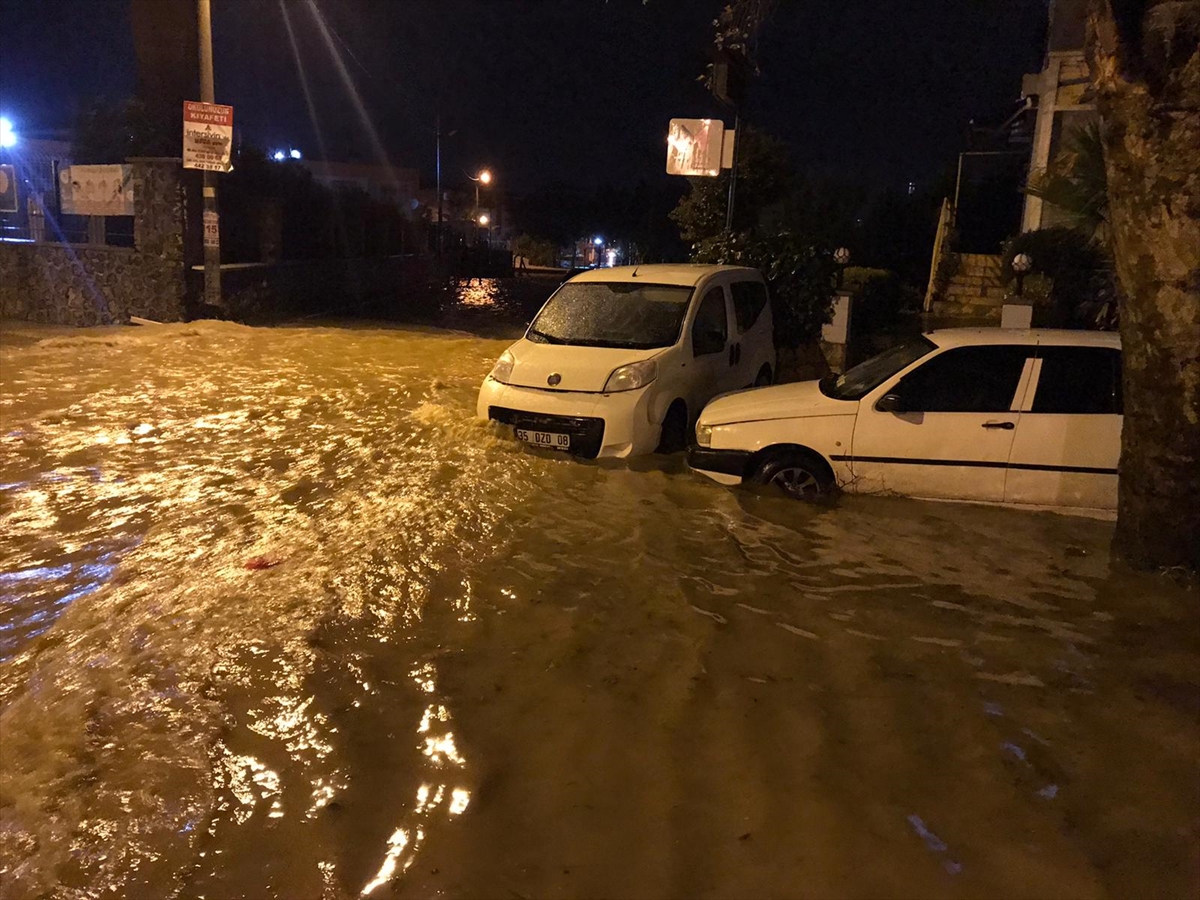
(631, 377)
(704, 435)
(502, 370)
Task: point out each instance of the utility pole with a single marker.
(438, 128)
(212, 233)
(737, 140)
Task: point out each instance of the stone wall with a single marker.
(84, 284)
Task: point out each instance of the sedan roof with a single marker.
(1063, 337)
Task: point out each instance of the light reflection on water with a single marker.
(472, 669)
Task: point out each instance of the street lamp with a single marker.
(8, 137)
(485, 220)
(1021, 264)
(485, 178)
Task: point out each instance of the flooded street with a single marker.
(279, 618)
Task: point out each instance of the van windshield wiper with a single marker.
(543, 337)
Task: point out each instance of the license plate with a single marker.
(545, 439)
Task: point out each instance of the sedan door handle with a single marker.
(1007, 426)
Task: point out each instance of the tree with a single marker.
(764, 179)
(1144, 57)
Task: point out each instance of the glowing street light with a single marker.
(598, 241)
(278, 156)
(485, 220)
(8, 137)
(484, 177)
(294, 154)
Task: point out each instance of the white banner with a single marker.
(96, 190)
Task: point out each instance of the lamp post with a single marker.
(841, 256)
(485, 178)
(1021, 265)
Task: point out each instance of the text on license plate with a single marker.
(545, 439)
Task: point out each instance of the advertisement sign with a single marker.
(696, 147)
(96, 190)
(207, 136)
(8, 189)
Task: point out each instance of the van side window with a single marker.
(749, 300)
(1079, 381)
(966, 379)
(709, 330)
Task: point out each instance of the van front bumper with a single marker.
(599, 424)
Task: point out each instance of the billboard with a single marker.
(698, 147)
(207, 136)
(8, 189)
(96, 190)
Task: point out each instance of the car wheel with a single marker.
(674, 429)
(804, 476)
(764, 377)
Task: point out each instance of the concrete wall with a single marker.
(85, 284)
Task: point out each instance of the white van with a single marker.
(620, 361)
(1023, 417)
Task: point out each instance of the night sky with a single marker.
(570, 90)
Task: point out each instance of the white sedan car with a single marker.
(620, 361)
(1026, 417)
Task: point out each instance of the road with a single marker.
(278, 618)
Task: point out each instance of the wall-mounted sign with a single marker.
(8, 189)
(699, 147)
(96, 190)
(207, 136)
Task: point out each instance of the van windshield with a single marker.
(612, 314)
(866, 376)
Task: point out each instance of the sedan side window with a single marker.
(709, 330)
(966, 379)
(1079, 381)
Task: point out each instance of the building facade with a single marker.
(1061, 94)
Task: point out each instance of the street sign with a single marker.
(212, 231)
(207, 136)
(8, 189)
(699, 147)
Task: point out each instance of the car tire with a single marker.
(674, 429)
(799, 474)
(764, 376)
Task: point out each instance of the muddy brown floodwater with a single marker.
(278, 618)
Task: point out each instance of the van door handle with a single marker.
(732, 354)
(1007, 426)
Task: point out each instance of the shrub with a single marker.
(798, 273)
(881, 299)
(1078, 273)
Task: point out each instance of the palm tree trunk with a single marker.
(1145, 62)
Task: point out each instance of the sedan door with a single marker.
(946, 428)
(1068, 440)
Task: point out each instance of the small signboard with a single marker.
(207, 136)
(8, 189)
(96, 190)
(212, 231)
(699, 147)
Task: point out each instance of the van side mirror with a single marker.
(892, 403)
